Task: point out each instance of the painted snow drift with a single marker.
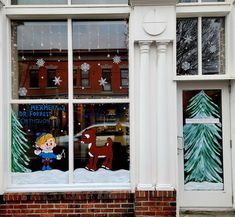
(80, 176)
(202, 132)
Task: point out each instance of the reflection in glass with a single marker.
(38, 2)
(101, 142)
(100, 51)
(99, 1)
(187, 46)
(213, 46)
(39, 50)
(203, 149)
(38, 154)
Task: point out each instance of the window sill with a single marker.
(201, 77)
(70, 187)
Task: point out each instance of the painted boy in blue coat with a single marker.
(46, 143)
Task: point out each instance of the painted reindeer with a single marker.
(89, 137)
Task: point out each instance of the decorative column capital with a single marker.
(162, 45)
(144, 46)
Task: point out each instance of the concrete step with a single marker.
(207, 213)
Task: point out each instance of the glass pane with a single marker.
(39, 155)
(101, 143)
(187, 1)
(40, 46)
(187, 46)
(213, 46)
(203, 148)
(99, 1)
(100, 48)
(38, 2)
(213, 0)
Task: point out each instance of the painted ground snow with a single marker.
(80, 176)
(203, 186)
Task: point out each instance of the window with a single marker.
(51, 74)
(34, 78)
(189, 1)
(200, 51)
(99, 1)
(38, 2)
(75, 133)
(124, 78)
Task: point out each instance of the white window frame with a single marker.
(209, 9)
(68, 13)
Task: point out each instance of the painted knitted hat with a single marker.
(42, 138)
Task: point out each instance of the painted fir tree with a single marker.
(20, 160)
(202, 142)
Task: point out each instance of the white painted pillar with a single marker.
(145, 161)
(163, 173)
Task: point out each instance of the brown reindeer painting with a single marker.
(89, 138)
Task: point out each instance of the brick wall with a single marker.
(87, 204)
(155, 203)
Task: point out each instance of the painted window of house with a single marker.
(201, 46)
(70, 129)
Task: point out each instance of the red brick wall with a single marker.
(155, 203)
(87, 204)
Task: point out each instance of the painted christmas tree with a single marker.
(202, 142)
(20, 160)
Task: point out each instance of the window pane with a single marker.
(37, 143)
(106, 128)
(213, 46)
(213, 0)
(100, 48)
(34, 78)
(38, 2)
(203, 147)
(187, 46)
(41, 46)
(187, 1)
(99, 1)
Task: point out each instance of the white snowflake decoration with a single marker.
(116, 59)
(40, 62)
(186, 66)
(57, 80)
(23, 58)
(102, 82)
(85, 67)
(22, 91)
(213, 49)
(188, 39)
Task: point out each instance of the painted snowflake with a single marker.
(188, 39)
(22, 91)
(57, 80)
(186, 66)
(40, 62)
(23, 58)
(102, 82)
(116, 59)
(85, 67)
(213, 49)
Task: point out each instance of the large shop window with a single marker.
(69, 132)
(201, 46)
